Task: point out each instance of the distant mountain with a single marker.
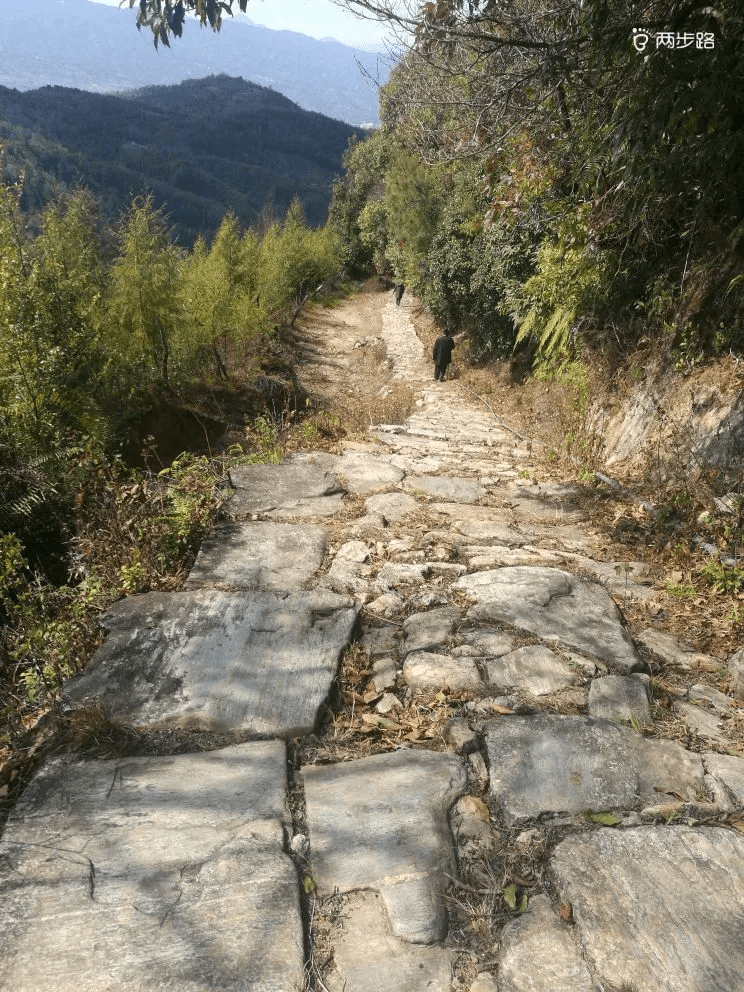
(202, 147)
(97, 48)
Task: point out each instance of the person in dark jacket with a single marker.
(442, 354)
(399, 290)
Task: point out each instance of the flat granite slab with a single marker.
(256, 663)
(258, 555)
(658, 909)
(282, 489)
(145, 874)
(547, 763)
(381, 823)
(368, 958)
(554, 605)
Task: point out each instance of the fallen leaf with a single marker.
(504, 710)
(510, 896)
(566, 911)
(476, 807)
(605, 819)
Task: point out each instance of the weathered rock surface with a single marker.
(390, 506)
(258, 555)
(451, 490)
(546, 763)
(429, 671)
(554, 605)
(639, 902)
(727, 771)
(152, 873)
(365, 474)
(381, 823)
(674, 652)
(620, 697)
(425, 631)
(369, 958)
(259, 663)
(288, 489)
(540, 954)
(534, 669)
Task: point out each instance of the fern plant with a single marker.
(573, 281)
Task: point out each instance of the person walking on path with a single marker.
(442, 354)
(399, 290)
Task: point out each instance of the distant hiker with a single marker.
(399, 290)
(442, 354)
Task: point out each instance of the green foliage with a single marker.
(573, 281)
(723, 578)
(50, 359)
(219, 290)
(294, 262)
(143, 307)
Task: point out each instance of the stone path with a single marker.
(475, 797)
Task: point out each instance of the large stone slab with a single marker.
(548, 764)
(259, 555)
(381, 823)
(143, 874)
(481, 523)
(447, 488)
(294, 489)
(659, 909)
(392, 507)
(368, 958)
(365, 473)
(539, 954)
(259, 663)
(554, 605)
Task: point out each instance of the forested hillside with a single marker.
(559, 176)
(201, 148)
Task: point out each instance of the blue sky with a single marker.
(317, 18)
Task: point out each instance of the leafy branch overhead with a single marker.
(165, 18)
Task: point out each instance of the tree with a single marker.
(144, 306)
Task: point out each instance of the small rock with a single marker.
(620, 697)
(380, 640)
(464, 651)
(386, 605)
(478, 768)
(527, 837)
(735, 665)
(484, 983)
(427, 631)
(674, 652)
(708, 696)
(299, 845)
(427, 598)
(385, 672)
(701, 720)
(388, 703)
(460, 735)
(424, 670)
(394, 575)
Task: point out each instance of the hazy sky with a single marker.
(317, 18)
